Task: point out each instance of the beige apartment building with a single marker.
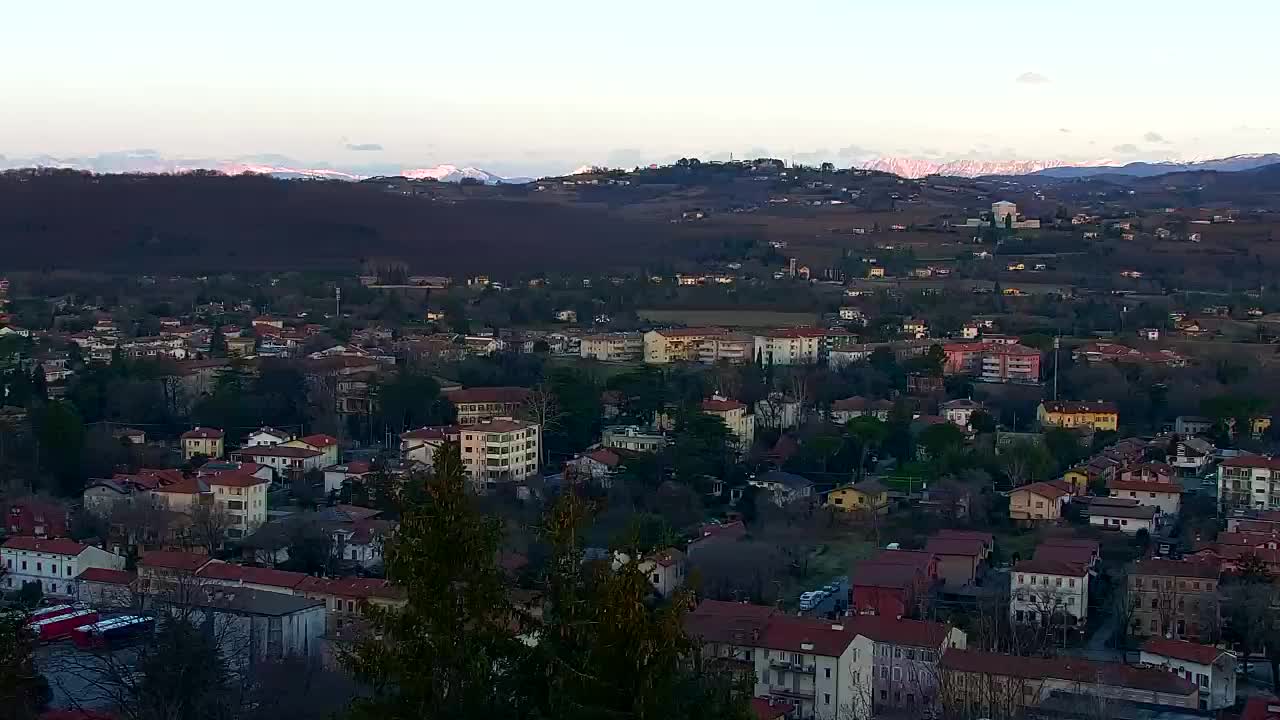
(500, 450)
(613, 347)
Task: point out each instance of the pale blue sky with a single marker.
(546, 86)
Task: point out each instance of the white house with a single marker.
(1040, 589)
(336, 476)
(103, 588)
(666, 569)
(326, 445)
(267, 436)
(823, 668)
(1191, 455)
(790, 346)
(1213, 670)
(1123, 514)
(1164, 496)
(421, 445)
(778, 411)
(784, 486)
(960, 412)
(598, 465)
(287, 462)
(54, 564)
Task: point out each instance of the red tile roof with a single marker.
(352, 588)
(1182, 650)
(1067, 668)
(605, 457)
(1176, 568)
(1050, 490)
(968, 547)
(174, 560)
(1142, 486)
(1092, 545)
(857, 402)
(1047, 566)
(985, 537)
(885, 629)
(202, 433)
(319, 440)
(1261, 462)
(106, 576)
(721, 405)
(242, 476)
(872, 574)
(802, 635)
(258, 451)
(733, 609)
(1063, 554)
(769, 709)
(1261, 708)
(488, 395)
(691, 332)
(57, 546)
(431, 433)
(252, 575)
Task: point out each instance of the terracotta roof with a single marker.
(1182, 650)
(1063, 554)
(202, 433)
(1141, 486)
(1247, 539)
(796, 332)
(276, 451)
(1176, 568)
(185, 486)
(604, 456)
(319, 440)
(1067, 668)
(802, 635)
(969, 547)
(252, 575)
(106, 576)
(1072, 406)
(1261, 707)
(857, 402)
(733, 609)
(1050, 490)
(498, 426)
(174, 560)
(721, 405)
(58, 546)
(232, 474)
(728, 625)
(353, 588)
(488, 395)
(1047, 566)
(986, 537)
(667, 558)
(691, 332)
(885, 629)
(769, 709)
(353, 468)
(1092, 545)
(1261, 462)
(874, 574)
(439, 432)
(919, 559)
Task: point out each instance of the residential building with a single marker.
(326, 445)
(894, 583)
(666, 569)
(960, 412)
(870, 495)
(1176, 599)
(842, 411)
(1211, 669)
(1009, 363)
(271, 626)
(1097, 415)
(733, 348)
(904, 661)
(677, 345)
(267, 436)
(478, 404)
(1043, 591)
(421, 445)
(779, 412)
(790, 346)
(613, 347)
(1038, 502)
(598, 465)
(338, 476)
(53, 564)
(1191, 455)
(741, 424)
(822, 668)
(36, 517)
(289, 463)
(984, 684)
(239, 490)
(633, 438)
(784, 486)
(500, 450)
(105, 588)
(202, 441)
(1122, 513)
(1164, 496)
(1249, 482)
(961, 554)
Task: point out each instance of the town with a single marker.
(1010, 463)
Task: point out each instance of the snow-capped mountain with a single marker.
(453, 173)
(1235, 163)
(919, 167)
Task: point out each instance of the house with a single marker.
(961, 556)
(765, 708)
(105, 588)
(202, 441)
(904, 661)
(267, 436)
(1097, 415)
(633, 438)
(1044, 591)
(1174, 598)
(337, 476)
(1191, 455)
(422, 444)
(1122, 513)
(741, 424)
(289, 463)
(35, 517)
(665, 569)
(1211, 669)
(598, 465)
(1038, 502)
(53, 564)
(1069, 549)
(960, 412)
(892, 583)
(917, 329)
(1022, 683)
(677, 345)
(239, 490)
(613, 347)
(869, 495)
(778, 412)
(132, 436)
(789, 346)
(823, 668)
(842, 411)
(500, 450)
(1164, 496)
(784, 486)
(272, 626)
(477, 404)
(326, 445)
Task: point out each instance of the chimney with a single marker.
(837, 626)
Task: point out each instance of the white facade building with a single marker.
(54, 564)
(1042, 589)
(500, 450)
(1212, 670)
(791, 346)
(613, 347)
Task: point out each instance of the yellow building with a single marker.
(202, 441)
(875, 272)
(1037, 502)
(1078, 478)
(1259, 425)
(1097, 415)
(866, 495)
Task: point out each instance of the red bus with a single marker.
(113, 632)
(60, 626)
(52, 611)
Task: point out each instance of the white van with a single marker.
(808, 600)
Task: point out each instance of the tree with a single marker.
(702, 448)
(542, 408)
(23, 690)
(941, 439)
(217, 343)
(449, 651)
(411, 399)
(60, 434)
(982, 422)
(209, 525)
(1253, 570)
(867, 433)
(1025, 461)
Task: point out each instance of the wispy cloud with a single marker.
(364, 147)
(1127, 149)
(1155, 137)
(1064, 130)
(1032, 78)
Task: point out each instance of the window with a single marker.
(826, 672)
(897, 674)
(897, 652)
(1071, 582)
(913, 674)
(1202, 680)
(39, 567)
(884, 673)
(1057, 582)
(826, 698)
(884, 694)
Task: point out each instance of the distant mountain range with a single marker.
(910, 167)
(1235, 163)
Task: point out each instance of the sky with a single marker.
(542, 87)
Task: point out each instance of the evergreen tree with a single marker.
(23, 690)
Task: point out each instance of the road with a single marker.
(829, 605)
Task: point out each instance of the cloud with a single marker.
(1155, 137)
(1032, 78)
(364, 147)
(1127, 149)
(1064, 130)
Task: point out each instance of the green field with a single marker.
(729, 318)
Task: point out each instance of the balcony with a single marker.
(791, 692)
(793, 667)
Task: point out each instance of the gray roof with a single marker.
(790, 480)
(245, 601)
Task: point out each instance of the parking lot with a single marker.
(834, 603)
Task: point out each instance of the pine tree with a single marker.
(23, 690)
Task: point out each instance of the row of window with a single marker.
(49, 587)
(1139, 582)
(53, 568)
(885, 650)
(1046, 599)
(1022, 580)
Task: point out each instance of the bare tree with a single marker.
(209, 525)
(543, 408)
